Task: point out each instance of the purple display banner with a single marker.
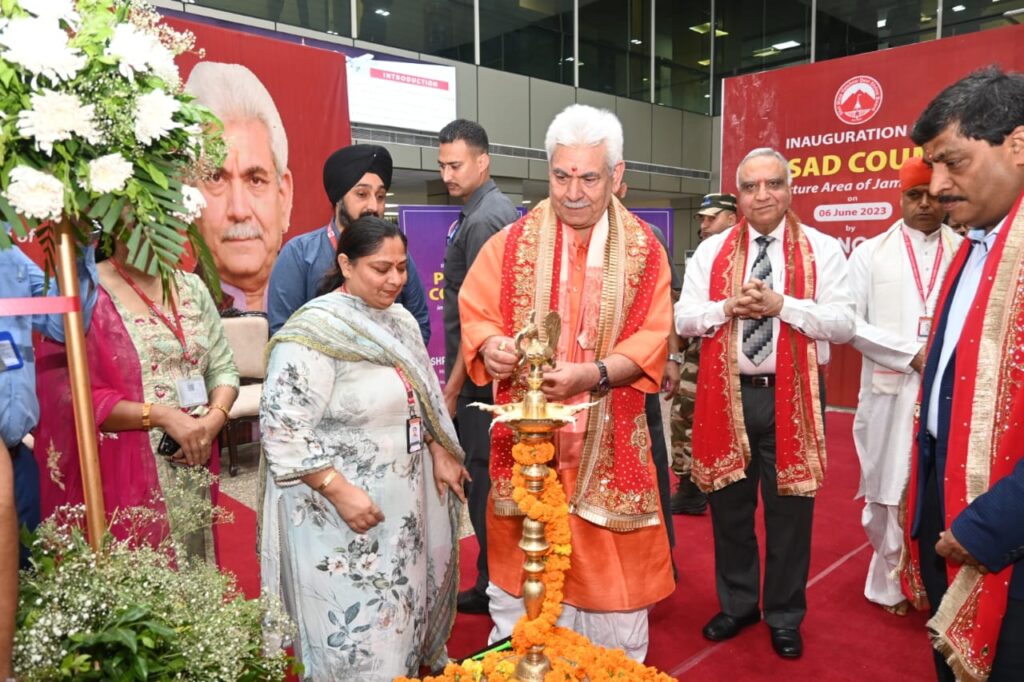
(426, 228)
(660, 218)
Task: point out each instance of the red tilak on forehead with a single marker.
(574, 169)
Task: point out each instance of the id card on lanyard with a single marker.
(924, 322)
(10, 358)
(191, 389)
(413, 425)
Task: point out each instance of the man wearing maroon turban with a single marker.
(895, 278)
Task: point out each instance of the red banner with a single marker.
(843, 124)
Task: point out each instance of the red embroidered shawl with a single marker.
(721, 451)
(613, 488)
(989, 400)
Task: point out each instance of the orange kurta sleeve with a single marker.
(648, 347)
(480, 305)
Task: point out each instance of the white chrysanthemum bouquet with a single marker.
(94, 127)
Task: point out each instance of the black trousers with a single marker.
(1008, 665)
(787, 529)
(473, 424)
(659, 452)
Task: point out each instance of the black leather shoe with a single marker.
(787, 642)
(688, 499)
(723, 626)
(473, 601)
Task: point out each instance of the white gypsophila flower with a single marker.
(41, 46)
(193, 201)
(56, 116)
(52, 9)
(35, 194)
(154, 113)
(108, 173)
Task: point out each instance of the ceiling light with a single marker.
(637, 41)
(706, 28)
(765, 52)
(704, 62)
(390, 205)
(569, 59)
(925, 18)
(881, 23)
(958, 8)
(390, 194)
(527, 201)
(391, 213)
(707, 96)
(382, 12)
(786, 44)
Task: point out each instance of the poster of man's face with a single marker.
(249, 198)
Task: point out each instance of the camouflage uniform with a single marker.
(681, 420)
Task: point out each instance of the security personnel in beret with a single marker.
(356, 180)
(717, 213)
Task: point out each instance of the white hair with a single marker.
(233, 92)
(765, 151)
(580, 125)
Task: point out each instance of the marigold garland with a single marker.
(572, 656)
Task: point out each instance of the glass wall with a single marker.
(682, 54)
(439, 27)
(616, 55)
(615, 47)
(329, 16)
(968, 16)
(759, 36)
(528, 37)
(847, 27)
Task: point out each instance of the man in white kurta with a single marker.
(895, 278)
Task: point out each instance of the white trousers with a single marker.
(882, 525)
(610, 629)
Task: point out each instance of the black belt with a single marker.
(758, 380)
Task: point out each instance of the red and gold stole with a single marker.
(721, 451)
(613, 487)
(989, 400)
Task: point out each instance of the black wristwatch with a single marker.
(603, 384)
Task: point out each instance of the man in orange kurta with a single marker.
(584, 255)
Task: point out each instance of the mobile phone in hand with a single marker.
(167, 446)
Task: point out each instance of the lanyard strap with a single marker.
(409, 394)
(176, 328)
(333, 237)
(917, 273)
(453, 229)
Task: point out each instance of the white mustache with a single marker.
(240, 231)
(582, 203)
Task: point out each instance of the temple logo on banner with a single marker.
(858, 100)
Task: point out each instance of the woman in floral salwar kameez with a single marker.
(360, 512)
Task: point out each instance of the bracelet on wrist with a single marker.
(215, 406)
(147, 422)
(327, 481)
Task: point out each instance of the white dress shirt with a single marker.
(963, 298)
(828, 317)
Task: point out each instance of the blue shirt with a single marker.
(963, 299)
(301, 267)
(21, 278)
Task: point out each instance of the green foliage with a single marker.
(137, 612)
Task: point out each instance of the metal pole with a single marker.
(354, 13)
(711, 62)
(654, 4)
(938, 19)
(81, 392)
(576, 43)
(814, 29)
(476, 32)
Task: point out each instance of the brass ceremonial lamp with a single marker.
(534, 421)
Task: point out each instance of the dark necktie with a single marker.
(757, 334)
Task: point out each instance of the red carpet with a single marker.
(845, 637)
